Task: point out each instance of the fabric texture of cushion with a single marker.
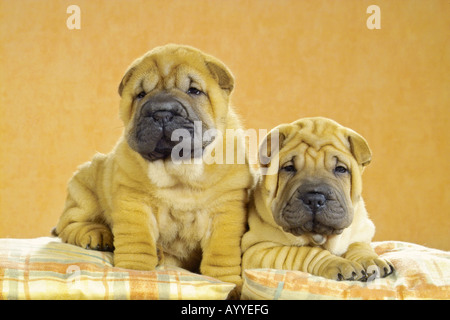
(420, 273)
(45, 268)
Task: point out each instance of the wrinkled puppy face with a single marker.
(318, 182)
(315, 192)
(171, 93)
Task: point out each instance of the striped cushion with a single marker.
(420, 273)
(45, 268)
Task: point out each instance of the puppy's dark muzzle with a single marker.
(317, 208)
(158, 118)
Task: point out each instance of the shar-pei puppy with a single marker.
(309, 215)
(150, 200)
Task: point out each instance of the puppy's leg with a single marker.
(314, 260)
(374, 266)
(81, 222)
(135, 232)
(222, 249)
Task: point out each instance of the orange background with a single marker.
(291, 59)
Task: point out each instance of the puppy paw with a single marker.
(376, 267)
(88, 235)
(342, 269)
(97, 237)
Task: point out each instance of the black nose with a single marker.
(314, 200)
(163, 108)
(165, 116)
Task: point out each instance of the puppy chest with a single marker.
(181, 232)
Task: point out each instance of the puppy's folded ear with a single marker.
(221, 74)
(359, 148)
(269, 149)
(125, 79)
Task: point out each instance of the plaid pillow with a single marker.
(45, 268)
(420, 273)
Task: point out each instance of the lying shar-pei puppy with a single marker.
(140, 202)
(310, 215)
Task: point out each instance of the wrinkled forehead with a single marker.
(318, 134)
(316, 148)
(172, 69)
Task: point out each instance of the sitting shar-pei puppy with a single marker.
(140, 202)
(309, 215)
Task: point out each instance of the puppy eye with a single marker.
(141, 95)
(340, 169)
(289, 168)
(194, 91)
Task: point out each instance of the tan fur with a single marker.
(314, 144)
(191, 214)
